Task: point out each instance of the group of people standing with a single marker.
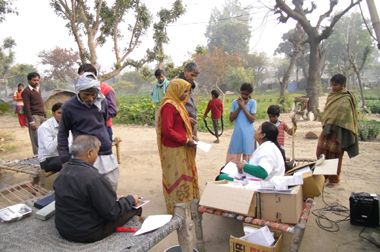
(177, 138)
(89, 176)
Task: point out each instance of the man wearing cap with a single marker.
(86, 114)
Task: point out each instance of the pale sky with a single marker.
(38, 28)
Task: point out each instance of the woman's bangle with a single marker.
(295, 127)
(187, 141)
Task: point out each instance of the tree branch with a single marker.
(333, 3)
(328, 30)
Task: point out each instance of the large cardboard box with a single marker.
(218, 195)
(239, 245)
(284, 208)
(313, 180)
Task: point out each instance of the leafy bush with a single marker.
(4, 107)
(140, 110)
(141, 113)
(374, 106)
(368, 97)
(368, 130)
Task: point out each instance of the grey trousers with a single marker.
(112, 177)
(38, 120)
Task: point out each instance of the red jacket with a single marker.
(111, 101)
(216, 107)
(173, 131)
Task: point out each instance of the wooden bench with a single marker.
(31, 234)
(297, 231)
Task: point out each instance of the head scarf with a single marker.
(341, 110)
(88, 82)
(173, 94)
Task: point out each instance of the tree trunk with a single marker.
(286, 77)
(161, 65)
(6, 86)
(304, 66)
(361, 89)
(312, 85)
(217, 86)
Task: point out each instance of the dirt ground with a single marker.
(140, 173)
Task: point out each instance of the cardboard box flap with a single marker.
(292, 171)
(219, 196)
(327, 167)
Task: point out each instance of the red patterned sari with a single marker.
(179, 171)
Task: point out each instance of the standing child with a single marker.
(243, 110)
(20, 105)
(274, 114)
(216, 107)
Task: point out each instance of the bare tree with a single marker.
(315, 34)
(296, 38)
(358, 70)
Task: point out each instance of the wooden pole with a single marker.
(293, 145)
(185, 234)
(197, 219)
(375, 19)
(293, 138)
(117, 142)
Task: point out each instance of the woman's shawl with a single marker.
(341, 110)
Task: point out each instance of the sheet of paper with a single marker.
(203, 146)
(327, 167)
(263, 236)
(302, 170)
(141, 203)
(279, 182)
(320, 160)
(296, 179)
(288, 191)
(154, 222)
(232, 171)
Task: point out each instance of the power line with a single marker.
(219, 19)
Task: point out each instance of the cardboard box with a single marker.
(312, 184)
(218, 195)
(239, 245)
(284, 208)
(313, 180)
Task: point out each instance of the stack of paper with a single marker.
(262, 236)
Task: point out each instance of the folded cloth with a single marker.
(87, 81)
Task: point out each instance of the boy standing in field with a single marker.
(159, 91)
(274, 113)
(216, 107)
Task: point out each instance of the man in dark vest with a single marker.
(33, 108)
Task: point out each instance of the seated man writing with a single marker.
(87, 208)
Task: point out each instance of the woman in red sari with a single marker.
(20, 106)
(177, 147)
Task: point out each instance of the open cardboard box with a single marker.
(313, 180)
(218, 195)
(239, 245)
(284, 208)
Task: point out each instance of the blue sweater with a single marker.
(83, 120)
